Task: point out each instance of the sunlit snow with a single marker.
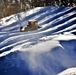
(49, 50)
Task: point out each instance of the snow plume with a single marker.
(41, 47)
(53, 61)
(39, 57)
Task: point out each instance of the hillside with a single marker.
(46, 51)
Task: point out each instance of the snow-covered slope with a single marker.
(46, 51)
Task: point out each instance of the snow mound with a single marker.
(69, 71)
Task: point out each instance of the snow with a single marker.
(38, 48)
(48, 50)
(66, 36)
(69, 71)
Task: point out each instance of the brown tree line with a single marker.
(67, 3)
(9, 7)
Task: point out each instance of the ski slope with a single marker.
(46, 51)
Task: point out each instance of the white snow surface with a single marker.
(69, 71)
(44, 40)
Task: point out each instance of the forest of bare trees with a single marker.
(66, 3)
(9, 7)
